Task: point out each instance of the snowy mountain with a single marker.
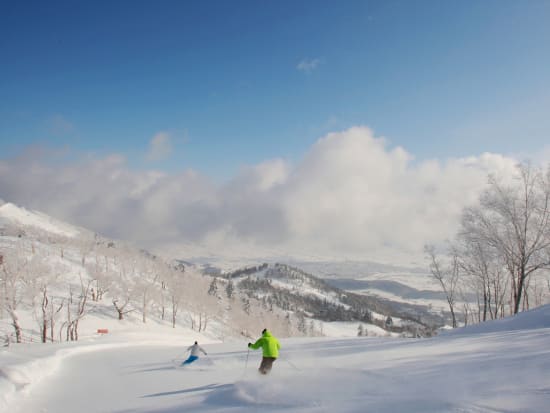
(34, 221)
(412, 288)
(292, 289)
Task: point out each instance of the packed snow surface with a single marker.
(494, 367)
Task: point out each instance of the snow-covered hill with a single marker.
(293, 289)
(500, 367)
(406, 287)
(61, 282)
(11, 214)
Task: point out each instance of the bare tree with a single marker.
(484, 276)
(122, 288)
(55, 310)
(13, 269)
(447, 276)
(76, 308)
(175, 285)
(99, 271)
(45, 315)
(149, 274)
(514, 221)
(45, 272)
(203, 311)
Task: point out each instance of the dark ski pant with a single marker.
(267, 363)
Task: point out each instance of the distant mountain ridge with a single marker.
(293, 289)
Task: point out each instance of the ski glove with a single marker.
(249, 344)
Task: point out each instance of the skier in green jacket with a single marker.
(270, 349)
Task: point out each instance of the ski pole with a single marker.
(246, 363)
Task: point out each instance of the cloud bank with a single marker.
(352, 195)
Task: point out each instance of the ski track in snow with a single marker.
(498, 371)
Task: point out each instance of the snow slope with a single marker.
(18, 215)
(494, 367)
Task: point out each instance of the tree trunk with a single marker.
(518, 294)
(16, 326)
(174, 312)
(44, 328)
(119, 310)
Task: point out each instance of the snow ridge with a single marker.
(29, 218)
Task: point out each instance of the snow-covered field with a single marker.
(499, 366)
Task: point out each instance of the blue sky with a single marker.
(233, 83)
(230, 127)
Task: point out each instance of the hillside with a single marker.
(12, 216)
(66, 282)
(60, 283)
(292, 289)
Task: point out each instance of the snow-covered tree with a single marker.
(302, 327)
(77, 307)
(41, 289)
(122, 286)
(15, 266)
(100, 270)
(485, 276)
(146, 283)
(176, 286)
(229, 289)
(213, 288)
(513, 220)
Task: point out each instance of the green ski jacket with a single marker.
(269, 344)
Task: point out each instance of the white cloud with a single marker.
(308, 65)
(352, 195)
(160, 147)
